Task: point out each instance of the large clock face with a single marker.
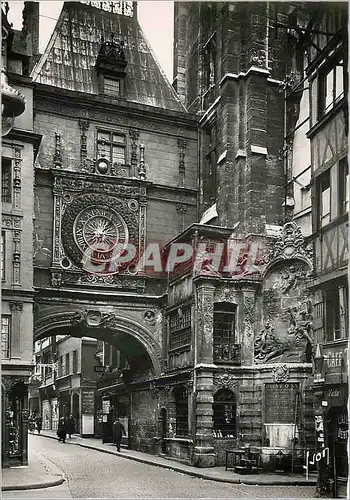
(94, 233)
(98, 228)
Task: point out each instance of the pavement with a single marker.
(41, 473)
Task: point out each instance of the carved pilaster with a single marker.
(17, 178)
(57, 228)
(57, 157)
(204, 455)
(204, 320)
(182, 143)
(248, 320)
(16, 306)
(142, 167)
(16, 259)
(84, 126)
(181, 209)
(142, 221)
(134, 135)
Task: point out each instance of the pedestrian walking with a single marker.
(31, 423)
(118, 430)
(62, 430)
(70, 425)
(39, 423)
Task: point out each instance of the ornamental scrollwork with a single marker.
(224, 380)
(291, 244)
(281, 373)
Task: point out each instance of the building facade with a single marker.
(64, 383)
(220, 347)
(327, 74)
(19, 148)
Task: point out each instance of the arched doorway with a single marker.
(224, 414)
(119, 353)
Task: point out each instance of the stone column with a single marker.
(204, 455)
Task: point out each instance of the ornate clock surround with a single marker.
(90, 212)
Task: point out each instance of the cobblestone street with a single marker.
(92, 474)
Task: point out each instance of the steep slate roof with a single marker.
(69, 59)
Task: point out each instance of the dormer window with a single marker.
(110, 67)
(111, 86)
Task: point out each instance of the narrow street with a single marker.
(92, 474)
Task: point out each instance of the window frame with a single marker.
(330, 68)
(210, 160)
(334, 319)
(110, 143)
(181, 411)
(321, 223)
(116, 80)
(7, 162)
(8, 333)
(226, 349)
(180, 328)
(343, 185)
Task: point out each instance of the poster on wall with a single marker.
(88, 401)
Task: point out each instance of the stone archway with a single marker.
(101, 325)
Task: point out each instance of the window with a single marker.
(2, 255)
(224, 414)
(224, 347)
(61, 369)
(180, 327)
(5, 336)
(67, 364)
(210, 64)
(181, 411)
(331, 87)
(111, 87)
(75, 361)
(6, 180)
(324, 199)
(336, 320)
(343, 186)
(210, 164)
(111, 146)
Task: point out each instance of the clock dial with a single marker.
(100, 229)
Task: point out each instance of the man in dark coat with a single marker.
(119, 430)
(61, 430)
(70, 425)
(39, 423)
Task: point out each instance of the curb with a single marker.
(194, 473)
(33, 486)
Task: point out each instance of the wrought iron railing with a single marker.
(227, 353)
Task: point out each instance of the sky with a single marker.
(155, 18)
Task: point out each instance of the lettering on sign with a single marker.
(314, 458)
(280, 402)
(88, 401)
